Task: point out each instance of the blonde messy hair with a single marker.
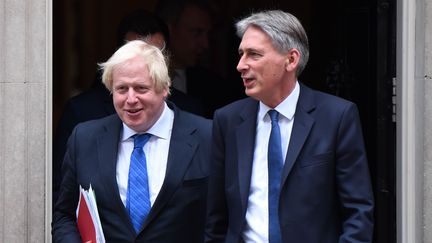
(156, 61)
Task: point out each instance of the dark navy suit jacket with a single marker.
(94, 104)
(326, 193)
(178, 214)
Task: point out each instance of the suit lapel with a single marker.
(181, 150)
(245, 137)
(302, 126)
(107, 149)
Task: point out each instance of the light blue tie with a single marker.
(138, 196)
(275, 165)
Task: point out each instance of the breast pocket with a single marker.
(317, 159)
(195, 182)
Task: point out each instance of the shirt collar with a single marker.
(161, 128)
(286, 108)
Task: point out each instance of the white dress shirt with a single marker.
(156, 151)
(257, 219)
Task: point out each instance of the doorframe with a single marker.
(49, 120)
(409, 120)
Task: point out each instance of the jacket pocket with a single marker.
(317, 159)
(195, 182)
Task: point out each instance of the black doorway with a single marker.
(353, 55)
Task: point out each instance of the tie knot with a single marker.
(274, 115)
(141, 139)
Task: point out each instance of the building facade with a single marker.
(26, 120)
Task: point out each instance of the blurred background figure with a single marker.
(190, 24)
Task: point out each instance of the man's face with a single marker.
(190, 36)
(135, 99)
(263, 69)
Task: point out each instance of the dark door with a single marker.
(354, 45)
(352, 55)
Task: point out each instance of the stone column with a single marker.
(427, 76)
(25, 114)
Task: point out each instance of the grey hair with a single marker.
(156, 61)
(284, 29)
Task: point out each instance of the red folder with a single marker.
(85, 223)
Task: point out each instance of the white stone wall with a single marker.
(428, 121)
(23, 120)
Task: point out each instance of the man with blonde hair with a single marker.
(147, 164)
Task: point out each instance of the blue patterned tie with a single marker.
(138, 196)
(275, 164)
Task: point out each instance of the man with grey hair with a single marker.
(147, 164)
(288, 162)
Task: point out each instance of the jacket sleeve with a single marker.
(217, 214)
(64, 228)
(353, 180)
